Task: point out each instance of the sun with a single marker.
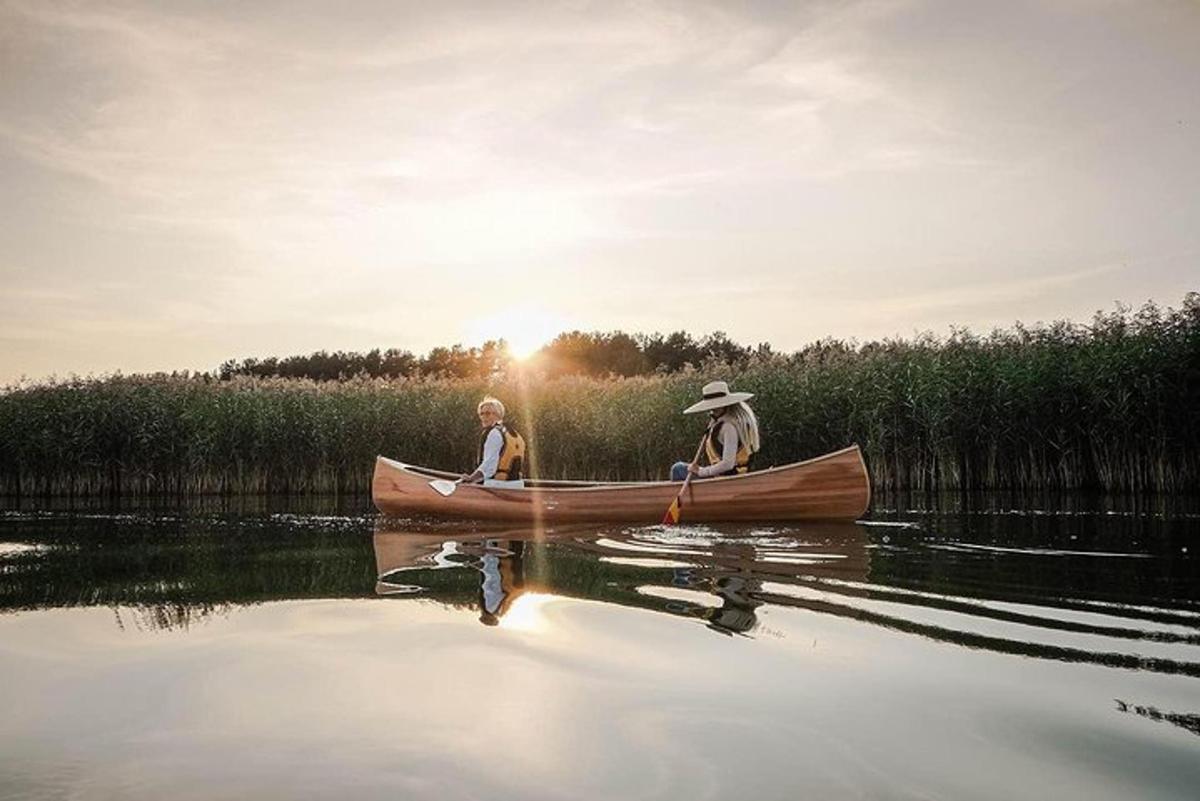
(522, 347)
(525, 329)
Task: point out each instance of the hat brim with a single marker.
(717, 403)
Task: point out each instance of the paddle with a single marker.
(672, 515)
(444, 487)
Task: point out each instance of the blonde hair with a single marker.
(743, 419)
(491, 403)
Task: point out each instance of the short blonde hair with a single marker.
(491, 403)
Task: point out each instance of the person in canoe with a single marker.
(501, 449)
(732, 436)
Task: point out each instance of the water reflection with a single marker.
(724, 577)
(1185, 721)
(736, 614)
(501, 566)
(692, 573)
(500, 563)
(312, 653)
(1110, 591)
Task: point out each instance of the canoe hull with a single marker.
(831, 487)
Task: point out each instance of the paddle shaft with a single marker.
(688, 479)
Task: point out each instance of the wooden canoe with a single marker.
(831, 487)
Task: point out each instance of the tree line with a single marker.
(594, 353)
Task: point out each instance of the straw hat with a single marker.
(716, 395)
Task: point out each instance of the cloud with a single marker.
(964, 298)
(280, 156)
(188, 108)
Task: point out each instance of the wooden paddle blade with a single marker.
(444, 487)
(672, 515)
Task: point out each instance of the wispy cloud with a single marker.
(965, 298)
(586, 148)
(186, 105)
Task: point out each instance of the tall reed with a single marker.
(1114, 405)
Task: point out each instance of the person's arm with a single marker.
(491, 458)
(729, 447)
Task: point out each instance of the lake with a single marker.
(967, 649)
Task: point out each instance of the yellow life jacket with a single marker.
(512, 453)
(713, 450)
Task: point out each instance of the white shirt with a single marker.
(493, 587)
(729, 449)
(491, 453)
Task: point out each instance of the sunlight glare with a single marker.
(526, 612)
(524, 329)
(521, 347)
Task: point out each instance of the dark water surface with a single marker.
(315, 652)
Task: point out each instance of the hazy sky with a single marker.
(181, 183)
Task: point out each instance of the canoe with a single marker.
(835, 486)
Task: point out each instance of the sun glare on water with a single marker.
(527, 612)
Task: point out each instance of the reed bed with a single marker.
(1114, 405)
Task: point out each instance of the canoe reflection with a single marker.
(712, 576)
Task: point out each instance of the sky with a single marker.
(187, 182)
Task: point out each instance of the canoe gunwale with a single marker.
(537, 483)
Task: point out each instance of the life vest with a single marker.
(512, 453)
(713, 450)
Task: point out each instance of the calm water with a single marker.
(315, 652)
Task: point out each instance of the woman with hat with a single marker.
(732, 434)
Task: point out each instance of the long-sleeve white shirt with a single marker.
(729, 449)
(491, 453)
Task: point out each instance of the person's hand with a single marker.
(466, 478)
(694, 469)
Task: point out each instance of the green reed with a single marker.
(1114, 405)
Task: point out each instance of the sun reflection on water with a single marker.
(527, 613)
